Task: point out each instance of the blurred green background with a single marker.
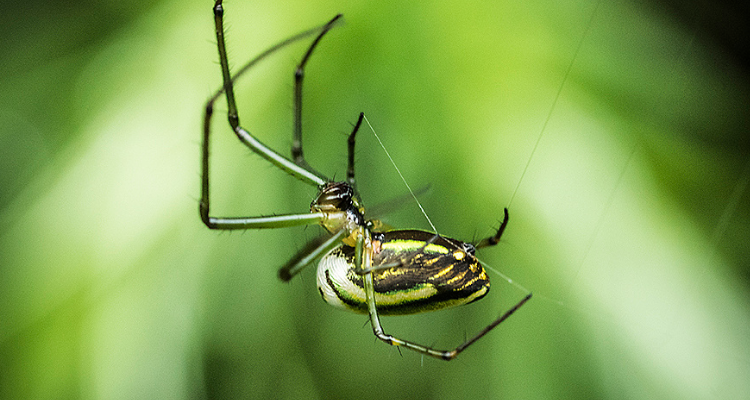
(630, 225)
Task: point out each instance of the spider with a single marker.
(362, 267)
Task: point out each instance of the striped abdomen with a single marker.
(429, 273)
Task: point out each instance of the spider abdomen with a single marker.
(414, 271)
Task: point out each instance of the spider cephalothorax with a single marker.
(342, 211)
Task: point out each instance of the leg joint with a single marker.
(234, 120)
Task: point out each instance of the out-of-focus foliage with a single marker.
(630, 224)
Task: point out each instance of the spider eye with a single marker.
(335, 196)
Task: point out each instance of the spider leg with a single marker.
(351, 142)
(364, 270)
(299, 75)
(363, 261)
(493, 240)
(304, 174)
(312, 250)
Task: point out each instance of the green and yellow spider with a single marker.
(361, 268)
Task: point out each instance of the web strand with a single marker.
(554, 103)
(401, 175)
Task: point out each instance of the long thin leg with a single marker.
(299, 75)
(255, 145)
(493, 240)
(314, 249)
(447, 355)
(363, 260)
(319, 246)
(351, 142)
(250, 141)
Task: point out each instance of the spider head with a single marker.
(337, 201)
(334, 196)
